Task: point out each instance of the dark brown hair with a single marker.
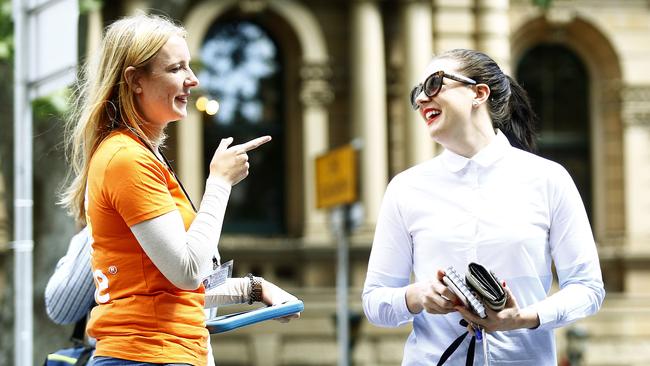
(508, 105)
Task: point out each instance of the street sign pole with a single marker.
(340, 227)
(336, 188)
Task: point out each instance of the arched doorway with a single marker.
(305, 63)
(603, 68)
(558, 85)
(243, 70)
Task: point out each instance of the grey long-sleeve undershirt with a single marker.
(185, 258)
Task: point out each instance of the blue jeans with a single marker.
(110, 361)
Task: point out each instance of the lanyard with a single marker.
(480, 334)
(169, 166)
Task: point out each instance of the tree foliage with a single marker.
(544, 4)
(6, 31)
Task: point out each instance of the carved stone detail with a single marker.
(316, 88)
(253, 6)
(636, 105)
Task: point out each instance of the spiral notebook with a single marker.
(232, 321)
(457, 284)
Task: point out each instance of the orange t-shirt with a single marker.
(141, 315)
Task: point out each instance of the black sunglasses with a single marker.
(433, 84)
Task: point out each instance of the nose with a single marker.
(191, 81)
(422, 98)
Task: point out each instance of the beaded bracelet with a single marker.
(255, 291)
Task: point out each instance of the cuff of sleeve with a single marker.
(217, 182)
(546, 314)
(399, 305)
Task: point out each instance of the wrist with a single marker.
(255, 289)
(219, 180)
(527, 319)
(412, 296)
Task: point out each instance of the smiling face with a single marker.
(447, 115)
(162, 89)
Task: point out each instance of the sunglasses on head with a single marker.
(432, 85)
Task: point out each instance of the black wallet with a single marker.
(478, 289)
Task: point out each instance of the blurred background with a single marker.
(318, 74)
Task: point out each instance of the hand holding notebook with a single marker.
(478, 289)
(228, 322)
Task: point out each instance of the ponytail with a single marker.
(508, 105)
(520, 129)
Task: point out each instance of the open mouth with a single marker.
(430, 115)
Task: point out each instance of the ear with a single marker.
(482, 93)
(132, 77)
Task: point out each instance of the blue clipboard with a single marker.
(232, 321)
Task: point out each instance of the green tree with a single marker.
(544, 4)
(6, 31)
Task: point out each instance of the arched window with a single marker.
(558, 85)
(241, 68)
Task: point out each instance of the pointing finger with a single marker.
(252, 144)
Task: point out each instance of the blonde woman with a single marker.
(151, 250)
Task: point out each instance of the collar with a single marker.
(485, 157)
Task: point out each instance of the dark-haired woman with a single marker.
(487, 199)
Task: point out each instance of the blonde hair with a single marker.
(103, 99)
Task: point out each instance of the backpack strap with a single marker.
(84, 356)
(79, 332)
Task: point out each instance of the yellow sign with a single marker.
(336, 177)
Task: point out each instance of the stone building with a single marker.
(319, 74)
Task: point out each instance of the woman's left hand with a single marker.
(509, 318)
(273, 295)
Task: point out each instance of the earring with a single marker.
(475, 103)
(138, 90)
(111, 111)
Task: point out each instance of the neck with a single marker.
(470, 141)
(156, 136)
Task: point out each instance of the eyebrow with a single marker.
(177, 63)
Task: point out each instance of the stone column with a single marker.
(190, 154)
(636, 135)
(453, 24)
(368, 105)
(94, 29)
(417, 38)
(316, 93)
(493, 31)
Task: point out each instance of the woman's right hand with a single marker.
(231, 163)
(273, 295)
(432, 296)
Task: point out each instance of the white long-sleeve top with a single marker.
(512, 211)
